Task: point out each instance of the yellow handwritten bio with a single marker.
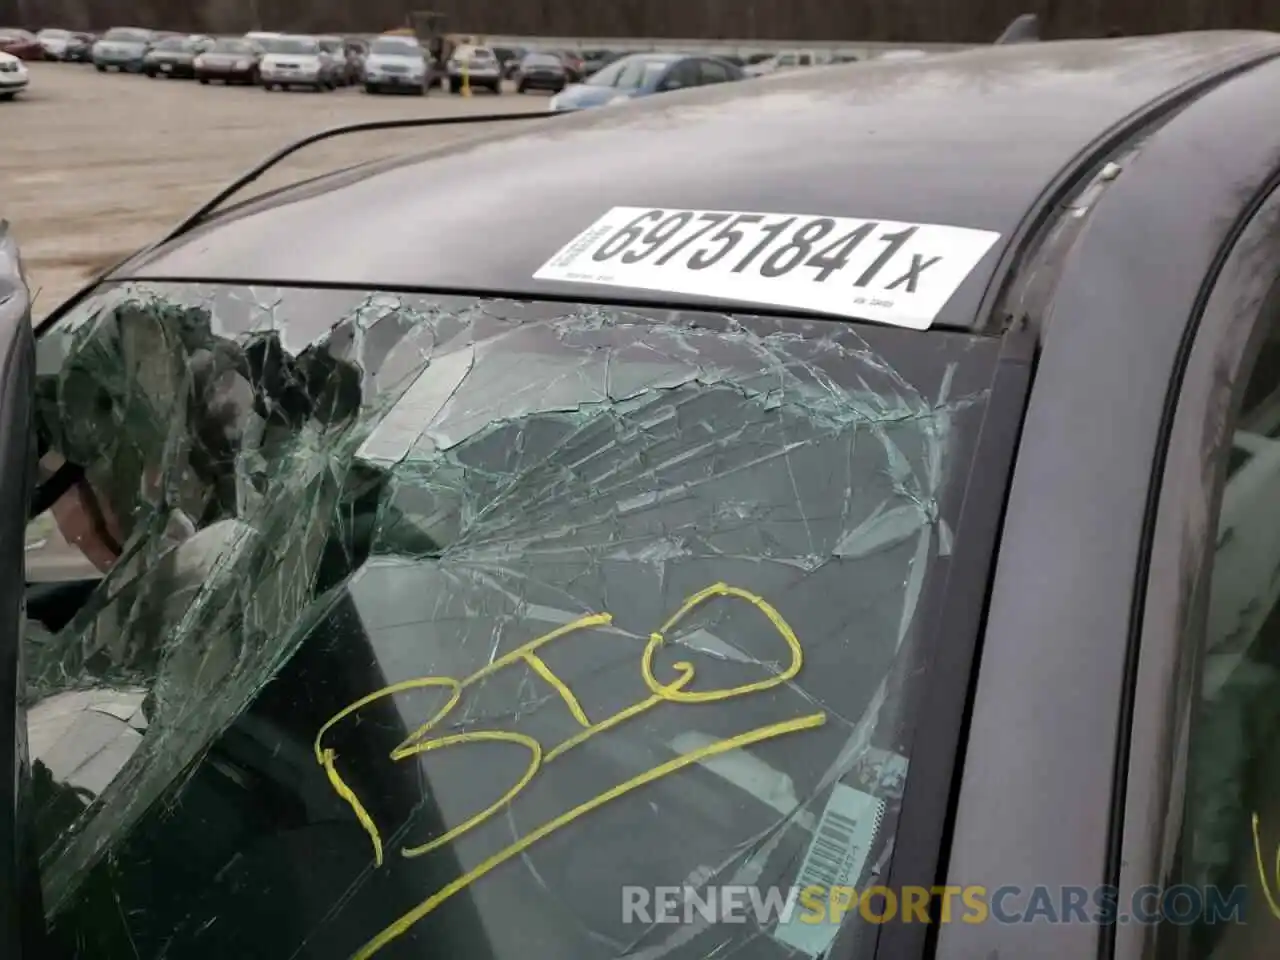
(675, 691)
(1262, 871)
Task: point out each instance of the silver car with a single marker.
(472, 67)
(396, 65)
(296, 62)
(123, 48)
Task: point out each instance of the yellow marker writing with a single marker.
(1262, 871)
(676, 691)
(758, 735)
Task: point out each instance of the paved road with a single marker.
(94, 166)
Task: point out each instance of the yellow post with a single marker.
(466, 80)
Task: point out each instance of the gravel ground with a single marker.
(94, 166)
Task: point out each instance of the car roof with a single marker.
(969, 139)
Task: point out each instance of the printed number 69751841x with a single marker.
(777, 246)
(884, 270)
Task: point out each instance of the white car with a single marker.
(788, 60)
(54, 42)
(13, 76)
(397, 64)
(479, 66)
(295, 62)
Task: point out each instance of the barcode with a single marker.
(581, 246)
(832, 852)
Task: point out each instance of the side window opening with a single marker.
(710, 71)
(1234, 766)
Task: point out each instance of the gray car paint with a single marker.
(1053, 664)
(17, 384)
(1007, 120)
(1049, 726)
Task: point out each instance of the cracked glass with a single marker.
(442, 626)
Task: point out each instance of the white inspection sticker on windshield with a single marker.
(835, 859)
(884, 271)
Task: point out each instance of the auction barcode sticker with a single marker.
(836, 858)
(883, 271)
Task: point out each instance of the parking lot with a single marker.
(94, 166)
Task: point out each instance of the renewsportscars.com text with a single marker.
(1102, 906)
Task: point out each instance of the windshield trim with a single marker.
(926, 827)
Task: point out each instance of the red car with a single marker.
(21, 43)
(574, 66)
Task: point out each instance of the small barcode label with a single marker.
(834, 850)
(836, 858)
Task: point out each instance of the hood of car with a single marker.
(9, 58)
(291, 59)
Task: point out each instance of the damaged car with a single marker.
(767, 553)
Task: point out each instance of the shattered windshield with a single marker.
(440, 627)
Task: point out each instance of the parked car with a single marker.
(477, 66)
(788, 60)
(14, 77)
(342, 66)
(80, 47)
(397, 65)
(891, 55)
(593, 61)
(123, 49)
(574, 65)
(22, 44)
(509, 59)
(296, 61)
(862, 515)
(541, 71)
(175, 57)
(357, 52)
(56, 43)
(642, 75)
(229, 60)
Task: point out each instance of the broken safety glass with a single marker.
(442, 626)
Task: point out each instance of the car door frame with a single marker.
(1059, 658)
(19, 872)
(1242, 305)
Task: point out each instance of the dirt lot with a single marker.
(94, 166)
